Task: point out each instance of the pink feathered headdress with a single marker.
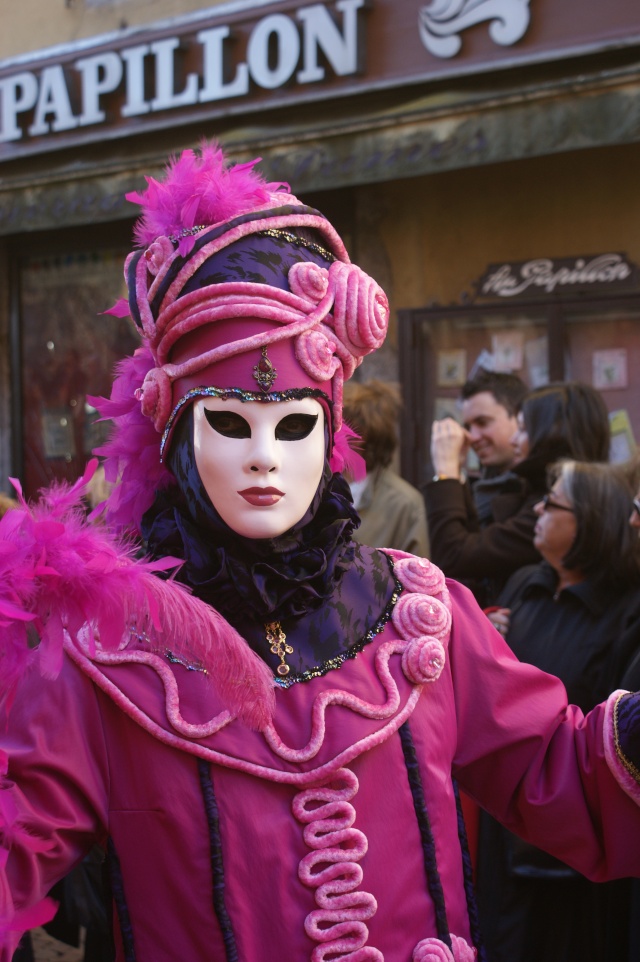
(237, 286)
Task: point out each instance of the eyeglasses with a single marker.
(548, 503)
(636, 506)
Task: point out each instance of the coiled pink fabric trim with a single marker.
(423, 655)
(167, 677)
(433, 950)
(336, 696)
(326, 345)
(424, 623)
(178, 741)
(338, 924)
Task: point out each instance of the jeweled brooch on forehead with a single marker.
(264, 372)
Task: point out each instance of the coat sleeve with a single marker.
(539, 766)
(462, 549)
(410, 524)
(53, 794)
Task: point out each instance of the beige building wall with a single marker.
(5, 377)
(37, 24)
(440, 232)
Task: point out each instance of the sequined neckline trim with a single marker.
(143, 639)
(189, 665)
(238, 394)
(319, 670)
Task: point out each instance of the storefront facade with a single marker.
(440, 141)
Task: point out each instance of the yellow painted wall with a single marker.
(440, 232)
(36, 24)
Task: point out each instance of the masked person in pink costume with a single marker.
(261, 720)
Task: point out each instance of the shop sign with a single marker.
(256, 55)
(441, 23)
(280, 49)
(545, 276)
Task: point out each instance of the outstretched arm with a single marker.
(542, 768)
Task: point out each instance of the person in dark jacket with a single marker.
(559, 420)
(575, 615)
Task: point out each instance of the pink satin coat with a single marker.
(321, 853)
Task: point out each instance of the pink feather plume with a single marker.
(59, 574)
(345, 457)
(132, 453)
(199, 189)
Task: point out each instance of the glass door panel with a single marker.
(603, 349)
(68, 352)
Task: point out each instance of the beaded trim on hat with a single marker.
(297, 241)
(239, 394)
(187, 232)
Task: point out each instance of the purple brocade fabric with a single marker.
(258, 258)
(629, 727)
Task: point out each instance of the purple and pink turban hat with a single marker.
(238, 290)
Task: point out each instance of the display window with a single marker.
(68, 349)
(596, 340)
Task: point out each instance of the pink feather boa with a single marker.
(60, 574)
(132, 453)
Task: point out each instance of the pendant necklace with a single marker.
(277, 640)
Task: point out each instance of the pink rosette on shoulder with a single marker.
(432, 950)
(423, 660)
(420, 574)
(155, 397)
(360, 309)
(425, 623)
(417, 614)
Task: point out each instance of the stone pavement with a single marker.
(47, 949)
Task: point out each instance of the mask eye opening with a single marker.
(296, 427)
(228, 423)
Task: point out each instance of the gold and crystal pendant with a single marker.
(277, 641)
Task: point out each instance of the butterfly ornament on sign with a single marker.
(442, 21)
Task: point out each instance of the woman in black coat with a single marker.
(575, 615)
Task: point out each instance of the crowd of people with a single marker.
(266, 725)
(545, 535)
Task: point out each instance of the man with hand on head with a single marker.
(455, 509)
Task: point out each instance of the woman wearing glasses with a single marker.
(576, 615)
(567, 420)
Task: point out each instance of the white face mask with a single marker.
(260, 462)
